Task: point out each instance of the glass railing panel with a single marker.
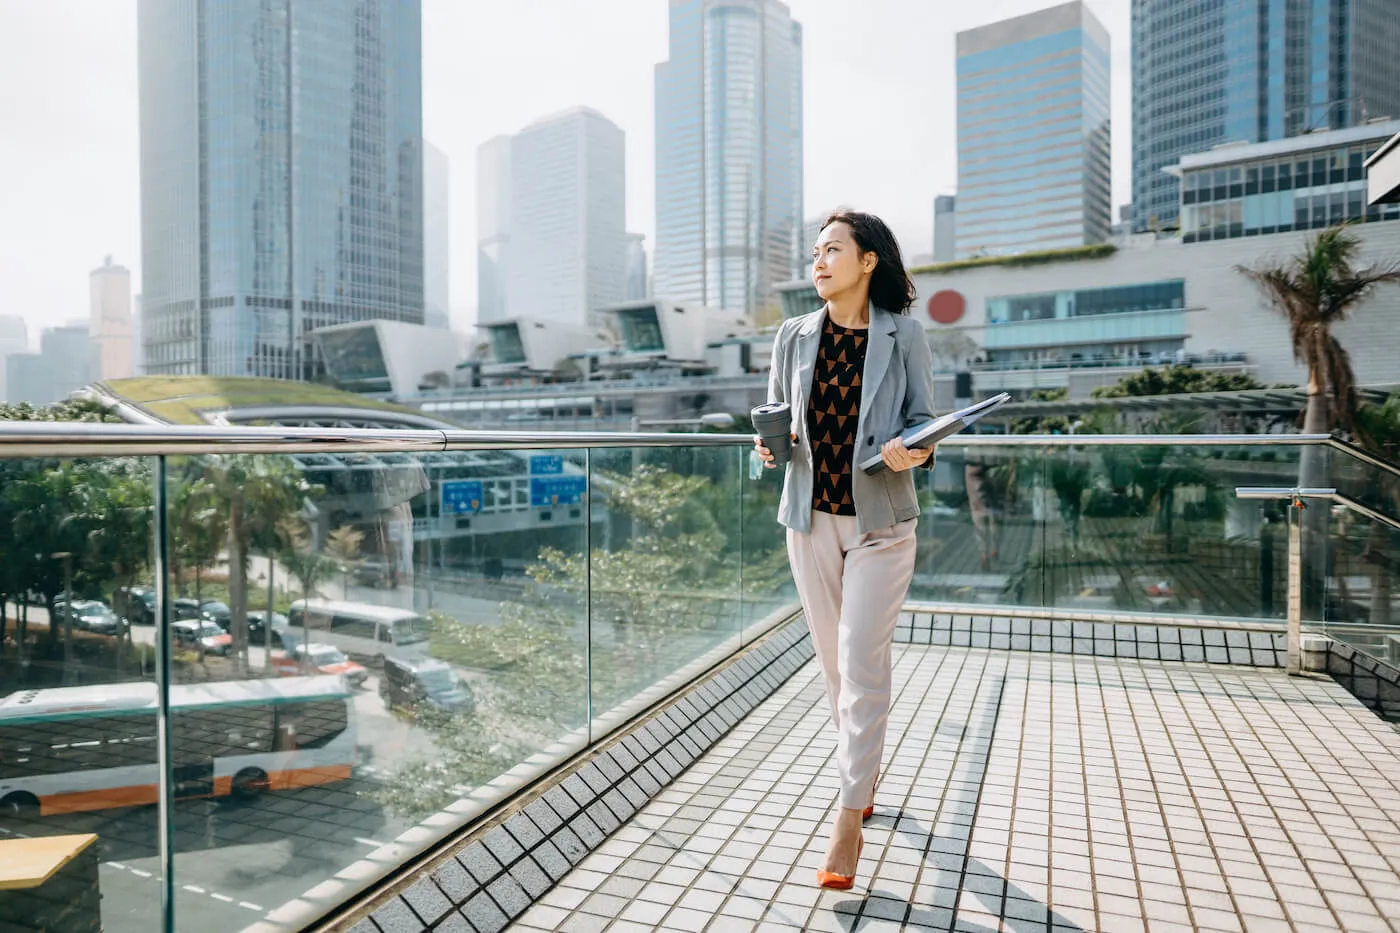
(1145, 528)
(1362, 481)
(78, 750)
(666, 566)
(424, 657)
(768, 584)
(979, 529)
(1363, 584)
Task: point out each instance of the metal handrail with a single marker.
(80, 439)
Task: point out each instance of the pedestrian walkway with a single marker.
(1026, 792)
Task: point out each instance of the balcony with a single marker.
(615, 722)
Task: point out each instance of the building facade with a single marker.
(568, 210)
(110, 323)
(493, 192)
(638, 276)
(14, 340)
(1299, 183)
(729, 154)
(281, 177)
(945, 228)
(1033, 133)
(437, 244)
(1250, 71)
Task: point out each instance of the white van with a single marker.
(361, 630)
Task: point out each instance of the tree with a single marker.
(951, 348)
(308, 566)
(343, 548)
(198, 525)
(1318, 289)
(257, 492)
(1177, 379)
(1315, 291)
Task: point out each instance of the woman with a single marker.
(856, 372)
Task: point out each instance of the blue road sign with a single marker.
(557, 490)
(462, 496)
(546, 464)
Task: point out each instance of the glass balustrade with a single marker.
(359, 654)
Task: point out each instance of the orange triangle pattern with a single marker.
(833, 413)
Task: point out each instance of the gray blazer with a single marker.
(896, 393)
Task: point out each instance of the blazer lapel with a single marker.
(877, 358)
(809, 338)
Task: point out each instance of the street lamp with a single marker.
(712, 419)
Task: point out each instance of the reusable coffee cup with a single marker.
(773, 422)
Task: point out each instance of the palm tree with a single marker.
(257, 492)
(1318, 289)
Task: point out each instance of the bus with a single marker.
(362, 630)
(69, 749)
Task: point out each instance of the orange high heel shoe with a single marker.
(869, 811)
(829, 879)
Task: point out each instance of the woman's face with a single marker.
(838, 266)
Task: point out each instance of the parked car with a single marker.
(197, 634)
(410, 681)
(185, 608)
(257, 619)
(218, 613)
(91, 615)
(319, 658)
(136, 604)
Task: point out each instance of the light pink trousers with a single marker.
(852, 586)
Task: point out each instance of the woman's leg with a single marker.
(817, 561)
(879, 566)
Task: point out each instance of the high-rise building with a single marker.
(1250, 71)
(1033, 133)
(568, 218)
(945, 228)
(437, 297)
(138, 350)
(110, 323)
(14, 339)
(638, 284)
(729, 154)
(492, 227)
(281, 177)
(64, 363)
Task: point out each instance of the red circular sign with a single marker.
(947, 306)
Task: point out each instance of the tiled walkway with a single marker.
(1026, 792)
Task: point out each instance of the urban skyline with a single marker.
(617, 85)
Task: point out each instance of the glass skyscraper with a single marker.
(729, 154)
(1207, 73)
(1033, 133)
(281, 177)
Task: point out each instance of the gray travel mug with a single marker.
(773, 422)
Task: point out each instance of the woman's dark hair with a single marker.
(890, 286)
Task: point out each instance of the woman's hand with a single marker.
(764, 453)
(899, 458)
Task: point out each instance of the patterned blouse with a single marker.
(832, 415)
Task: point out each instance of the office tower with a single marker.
(492, 227)
(568, 237)
(945, 228)
(637, 285)
(138, 351)
(64, 363)
(110, 323)
(1250, 71)
(14, 339)
(437, 298)
(729, 154)
(1033, 133)
(281, 177)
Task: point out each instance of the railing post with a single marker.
(164, 736)
(1295, 586)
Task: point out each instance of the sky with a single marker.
(879, 111)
